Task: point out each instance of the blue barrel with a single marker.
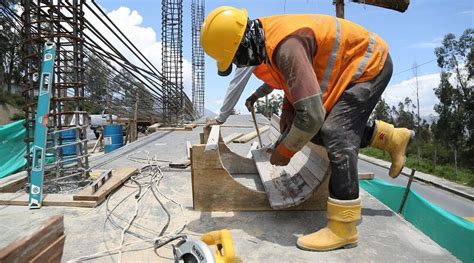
(113, 137)
(68, 137)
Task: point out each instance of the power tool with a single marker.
(198, 251)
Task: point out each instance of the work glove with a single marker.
(286, 120)
(250, 102)
(279, 159)
(213, 122)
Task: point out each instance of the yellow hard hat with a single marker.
(221, 33)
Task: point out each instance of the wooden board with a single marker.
(215, 188)
(173, 129)
(190, 126)
(188, 149)
(213, 138)
(229, 138)
(366, 176)
(51, 254)
(183, 163)
(13, 182)
(249, 136)
(46, 239)
(285, 186)
(21, 199)
(119, 176)
(253, 146)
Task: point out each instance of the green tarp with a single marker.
(448, 230)
(12, 148)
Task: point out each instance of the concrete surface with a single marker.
(257, 236)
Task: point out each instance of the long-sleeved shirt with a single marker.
(293, 57)
(235, 89)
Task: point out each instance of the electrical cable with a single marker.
(148, 179)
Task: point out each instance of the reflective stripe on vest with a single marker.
(368, 54)
(332, 58)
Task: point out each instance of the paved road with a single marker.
(451, 202)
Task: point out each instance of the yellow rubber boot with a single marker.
(394, 141)
(340, 231)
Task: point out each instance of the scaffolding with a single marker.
(61, 22)
(198, 75)
(172, 61)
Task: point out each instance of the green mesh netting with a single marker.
(12, 148)
(448, 230)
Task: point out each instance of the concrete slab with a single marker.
(257, 236)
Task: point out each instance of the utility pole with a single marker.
(397, 5)
(339, 8)
(418, 119)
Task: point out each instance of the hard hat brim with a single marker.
(225, 72)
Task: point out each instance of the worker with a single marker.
(236, 87)
(333, 73)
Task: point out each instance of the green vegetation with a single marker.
(12, 99)
(464, 176)
(17, 116)
(270, 105)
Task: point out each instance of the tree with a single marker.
(405, 115)
(10, 61)
(456, 107)
(96, 78)
(382, 111)
(270, 105)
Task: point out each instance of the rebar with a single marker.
(198, 74)
(172, 60)
(63, 23)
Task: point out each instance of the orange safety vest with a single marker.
(346, 52)
(262, 72)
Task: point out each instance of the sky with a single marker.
(412, 37)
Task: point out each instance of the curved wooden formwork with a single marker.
(225, 181)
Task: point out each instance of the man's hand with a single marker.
(250, 102)
(278, 159)
(213, 122)
(286, 120)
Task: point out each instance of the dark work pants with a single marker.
(345, 130)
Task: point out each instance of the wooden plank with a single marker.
(119, 176)
(237, 126)
(190, 126)
(183, 163)
(234, 163)
(51, 254)
(252, 147)
(231, 137)
(213, 139)
(249, 136)
(299, 189)
(201, 138)
(172, 129)
(215, 188)
(188, 149)
(316, 161)
(13, 182)
(21, 199)
(273, 178)
(366, 176)
(34, 242)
